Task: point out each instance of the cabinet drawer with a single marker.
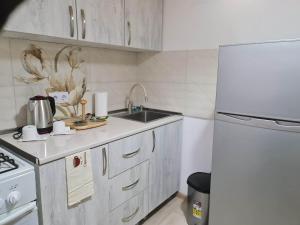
(128, 184)
(132, 211)
(128, 152)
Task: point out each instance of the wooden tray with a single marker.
(88, 125)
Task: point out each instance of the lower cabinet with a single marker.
(165, 163)
(148, 174)
(132, 211)
(128, 184)
(52, 196)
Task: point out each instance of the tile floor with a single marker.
(173, 213)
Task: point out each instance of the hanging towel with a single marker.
(80, 183)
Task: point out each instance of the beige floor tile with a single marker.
(171, 214)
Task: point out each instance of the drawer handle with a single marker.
(130, 155)
(104, 158)
(131, 186)
(129, 218)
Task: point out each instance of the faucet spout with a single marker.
(130, 102)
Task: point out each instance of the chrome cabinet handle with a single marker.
(130, 155)
(154, 140)
(83, 20)
(72, 21)
(129, 32)
(129, 218)
(104, 158)
(131, 186)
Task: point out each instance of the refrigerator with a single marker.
(256, 149)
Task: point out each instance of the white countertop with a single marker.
(57, 147)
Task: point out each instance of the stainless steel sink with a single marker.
(144, 116)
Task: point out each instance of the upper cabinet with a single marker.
(143, 24)
(54, 18)
(101, 21)
(135, 24)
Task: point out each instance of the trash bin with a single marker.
(198, 198)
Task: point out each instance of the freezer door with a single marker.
(260, 80)
(255, 176)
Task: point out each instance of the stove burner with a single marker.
(7, 164)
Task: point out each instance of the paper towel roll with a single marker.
(101, 104)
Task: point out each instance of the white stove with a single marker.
(17, 191)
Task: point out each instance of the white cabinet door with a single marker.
(53, 200)
(143, 24)
(165, 163)
(54, 18)
(101, 21)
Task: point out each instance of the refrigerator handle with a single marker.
(259, 122)
(287, 124)
(238, 117)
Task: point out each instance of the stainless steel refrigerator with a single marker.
(256, 150)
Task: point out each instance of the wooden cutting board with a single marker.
(89, 125)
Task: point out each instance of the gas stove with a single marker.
(7, 164)
(17, 187)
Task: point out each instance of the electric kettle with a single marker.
(40, 112)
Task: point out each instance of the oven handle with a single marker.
(12, 216)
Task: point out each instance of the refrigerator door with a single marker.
(261, 80)
(255, 174)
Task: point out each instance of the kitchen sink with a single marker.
(144, 116)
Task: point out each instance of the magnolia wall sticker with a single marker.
(60, 76)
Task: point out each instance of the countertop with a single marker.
(57, 147)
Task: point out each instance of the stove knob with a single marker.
(13, 198)
(1, 203)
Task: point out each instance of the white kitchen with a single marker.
(154, 112)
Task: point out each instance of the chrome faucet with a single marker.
(130, 102)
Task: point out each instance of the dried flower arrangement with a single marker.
(39, 66)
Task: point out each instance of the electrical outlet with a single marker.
(60, 97)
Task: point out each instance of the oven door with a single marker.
(24, 215)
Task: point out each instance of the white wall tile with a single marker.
(7, 109)
(183, 81)
(162, 67)
(202, 66)
(117, 93)
(5, 65)
(7, 100)
(111, 66)
(200, 100)
(165, 95)
(106, 70)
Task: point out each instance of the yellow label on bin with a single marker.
(197, 210)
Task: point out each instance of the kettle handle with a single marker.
(52, 104)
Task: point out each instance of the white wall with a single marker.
(197, 145)
(200, 24)
(206, 24)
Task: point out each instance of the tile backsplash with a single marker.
(105, 70)
(183, 81)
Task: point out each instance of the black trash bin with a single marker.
(198, 198)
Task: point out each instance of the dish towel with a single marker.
(80, 183)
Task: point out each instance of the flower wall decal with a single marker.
(37, 63)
